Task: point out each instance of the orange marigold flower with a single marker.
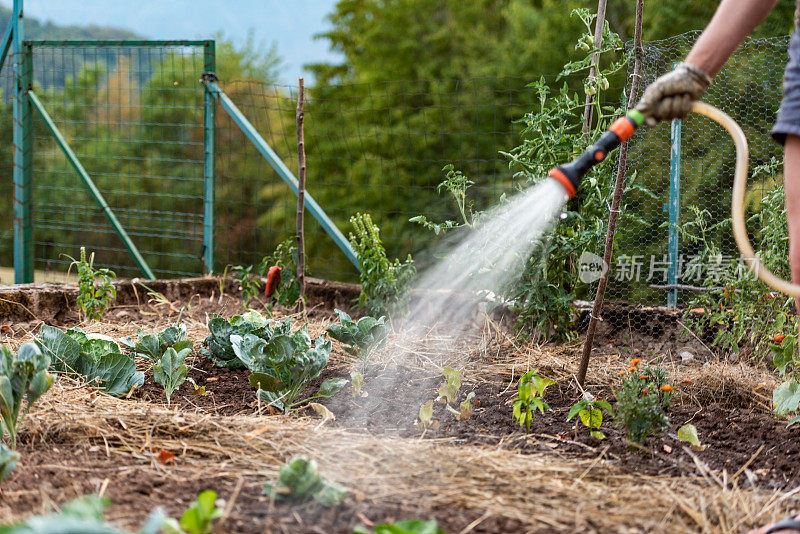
(622, 372)
(645, 391)
(643, 377)
(636, 361)
(667, 388)
(632, 369)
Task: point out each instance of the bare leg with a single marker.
(791, 179)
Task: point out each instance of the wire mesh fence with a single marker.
(749, 89)
(134, 117)
(377, 148)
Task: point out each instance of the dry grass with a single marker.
(545, 491)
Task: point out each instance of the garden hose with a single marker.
(571, 174)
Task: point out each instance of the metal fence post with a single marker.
(674, 211)
(23, 151)
(209, 108)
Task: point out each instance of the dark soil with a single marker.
(732, 435)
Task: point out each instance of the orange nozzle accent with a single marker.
(623, 128)
(599, 156)
(563, 180)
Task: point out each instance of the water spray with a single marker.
(571, 174)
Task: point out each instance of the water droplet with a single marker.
(563, 215)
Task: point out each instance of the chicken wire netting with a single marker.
(749, 89)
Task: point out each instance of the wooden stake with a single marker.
(600, 23)
(301, 193)
(613, 215)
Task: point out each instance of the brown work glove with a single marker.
(671, 96)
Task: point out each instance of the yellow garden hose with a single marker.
(737, 204)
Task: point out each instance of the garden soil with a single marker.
(483, 474)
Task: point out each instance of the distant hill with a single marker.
(35, 30)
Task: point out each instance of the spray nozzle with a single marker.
(570, 174)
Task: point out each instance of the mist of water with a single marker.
(449, 297)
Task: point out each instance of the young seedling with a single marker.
(530, 397)
(22, 376)
(465, 408)
(8, 460)
(170, 371)
(361, 337)
(357, 382)
(198, 518)
(688, 433)
(300, 480)
(153, 346)
(448, 390)
(590, 412)
(95, 287)
(426, 419)
(249, 284)
(407, 526)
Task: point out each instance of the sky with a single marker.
(291, 23)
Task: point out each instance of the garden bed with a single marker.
(483, 474)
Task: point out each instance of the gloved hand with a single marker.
(671, 96)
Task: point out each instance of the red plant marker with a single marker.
(273, 279)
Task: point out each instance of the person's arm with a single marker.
(733, 21)
(671, 96)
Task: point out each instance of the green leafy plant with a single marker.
(786, 397)
(357, 382)
(171, 371)
(23, 376)
(285, 363)
(287, 289)
(361, 337)
(732, 292)
(590, 412)
(457, 185)
(642, 401)
(300, 479)
(530, 397)
(94, 357)
(407, 526)
(384, 284)
(465, 408)
(249, 283)
(541, 294)
(198, 518)
(217, 345)
(426, 419)
(8, 460)
(95, 287)
(448, 390)
(688, 433)
(153, 346)
(83, 515)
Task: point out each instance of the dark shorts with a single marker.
(788, 122)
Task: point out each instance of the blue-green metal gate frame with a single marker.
(25, 100)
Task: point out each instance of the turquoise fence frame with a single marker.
(674, 213)
(280, 167)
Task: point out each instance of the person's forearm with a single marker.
(733, 21)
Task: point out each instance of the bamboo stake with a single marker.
(301, 190)
(613, 215)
